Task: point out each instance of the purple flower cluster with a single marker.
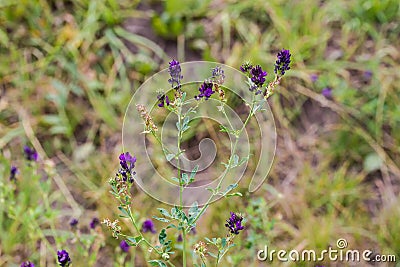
(148, 226)
(175, 73)
(73, 222)
(30, 154)
(218, 75)
(127, 163)
(234, 223)
(163, 100)
(95, 221)
(206, 90)
(282, 63)
(246, 67)
(27, 264)
(13, 173)
(124, 246)
(327, 93)
(258, 75)
(63, 258)
(314, 77)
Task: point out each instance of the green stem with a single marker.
(184, 245)
(217, 188)
(140, 233)
(179, 113)
(216, 263)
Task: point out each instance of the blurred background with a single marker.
(69, 68)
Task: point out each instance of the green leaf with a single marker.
(157, 263)
(209, 240)
(185, 178)
(161, 219)
(162, 236)
(223, 242)
(194, 210)
(171, 226)
(223, 129)
(125, 213)
(230, 188)
(193, 173)
(185, 124)
(164, 212)
(133, 241)
(234, 194)
(243, 160)
(235, 160)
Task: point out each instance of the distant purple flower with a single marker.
(163, 100)
(206, 90)
(234, 223)
(63, 258)
(30, 154)
(175, 73)
(148, 226)
(327, 92)
(124, 246)
(95, 221)
(282, 62)
(245, 67)
(126, 161)
(218, 75)
(314, 77)
(73, 222)
(180, 238)
(368, 74)
(13, 173)
(27, 264)
(258, 75)
(193, 231)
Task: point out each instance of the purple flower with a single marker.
(206, 90)
(258, 75)
(148, 226)
(124, 246)
(63, 258)
(282, 63)
(314, 77)
(245, 67)
(193, 231)
(163, 99)
(13, 173)
(30, 154)
(73, 222)
(234, 223)
(126, 161)
(180, 238)
(95, 221)
(327, 92)
(218, 75)
(368, 74)
(27, 264)
(175, 73)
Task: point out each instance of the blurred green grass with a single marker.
(68, 69)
